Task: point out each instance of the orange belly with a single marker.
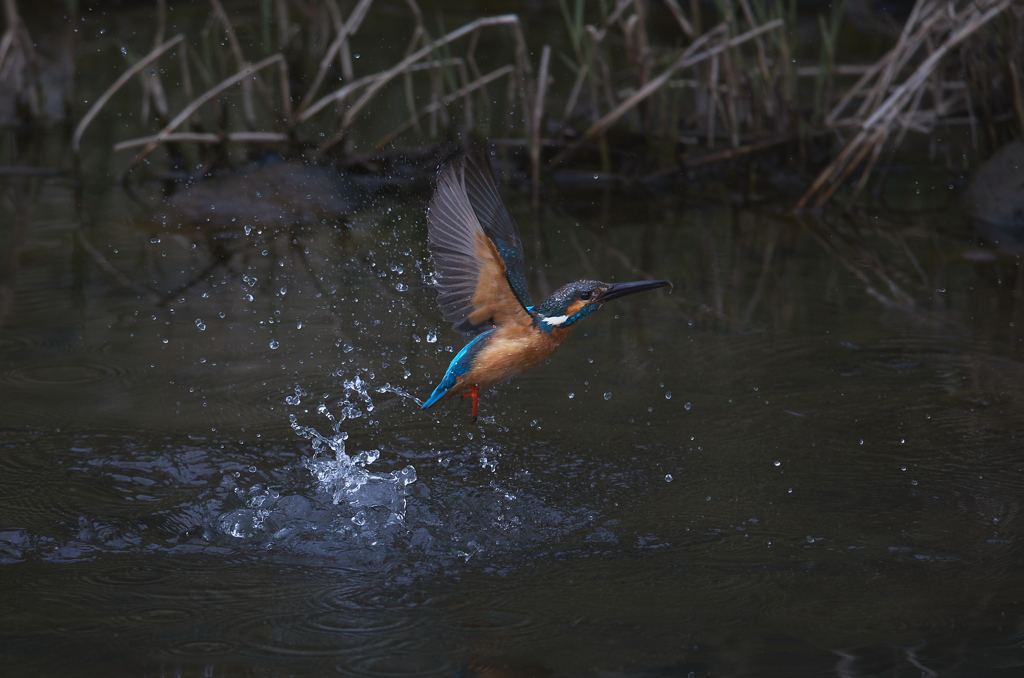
(509, 352)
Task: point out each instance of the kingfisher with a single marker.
(478, 272)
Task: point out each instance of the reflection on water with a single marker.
(804, 461)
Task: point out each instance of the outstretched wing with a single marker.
(496, 221)
(472, 277)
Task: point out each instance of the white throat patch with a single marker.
(555, 320)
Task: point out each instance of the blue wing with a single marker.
(462, 364)
(479, 275)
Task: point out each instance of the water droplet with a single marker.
(431, 337)
(903, 468)
(810, 539)
(124, 51)
(595, 176)
(571, 396)
(200, 324)
(668, 477)
(686, 406)
(861, 441)
(778, 463)
(401, 287)
(299, 325)
(274, 344)
(708, 498)
(790, 490)
(608, 395)
(913, 482)
(284, 291)
(668, 395)
(166, 340)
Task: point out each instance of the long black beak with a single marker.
(616, 290)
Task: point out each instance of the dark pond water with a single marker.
(805, 461)
(769, 471)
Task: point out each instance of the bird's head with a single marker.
(579, 299)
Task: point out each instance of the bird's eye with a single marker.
(585, 295)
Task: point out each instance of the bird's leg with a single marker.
(474, 393)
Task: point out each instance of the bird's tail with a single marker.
(447, 384)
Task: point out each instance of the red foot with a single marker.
(474, 393)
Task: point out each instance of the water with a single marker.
(804, 461)
(834, 489)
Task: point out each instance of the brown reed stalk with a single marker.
(382, 79)
(1018, 101)
(192, 107)
(454, 96)
(689, 58)
(248, 109)
(733, 85)
(152, 87)
(418, 35)
(538, 116)
(205, 138)
(596, 49)
(19, 62)
(342, 93)
(76, 138)
(677, 13)
(714, 102)
(878, 122)
(349, 28)
(574, 93)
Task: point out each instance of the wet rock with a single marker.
(995, 199)
(276, 193)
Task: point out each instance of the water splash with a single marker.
(297, 398)
(345, 477)
(388, 388)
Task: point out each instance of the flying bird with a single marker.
(478, 269)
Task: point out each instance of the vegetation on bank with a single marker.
(676, 84)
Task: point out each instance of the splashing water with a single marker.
(388, 388)
(297, 398)
(346, 477)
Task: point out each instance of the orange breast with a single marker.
(511, 351)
